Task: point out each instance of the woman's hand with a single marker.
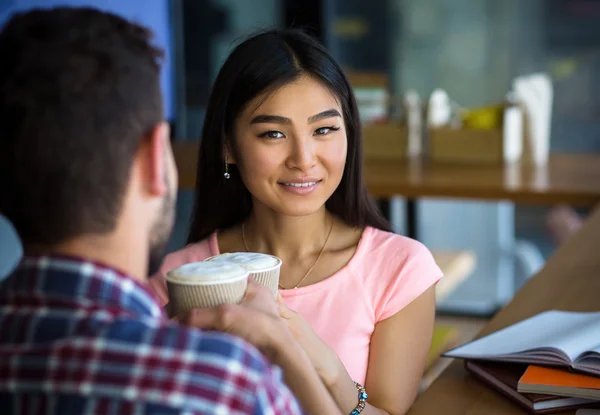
(257, 320)
(324, 359)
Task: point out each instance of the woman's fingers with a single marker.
(285, 312)
(260, 298)
(252, 290)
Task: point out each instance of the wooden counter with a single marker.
(570, 280)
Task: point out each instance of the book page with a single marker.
(573, 333)
(584, 336)
(590, 361)
(594, 351)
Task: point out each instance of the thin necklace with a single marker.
(313, 265)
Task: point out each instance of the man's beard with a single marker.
(161, 232)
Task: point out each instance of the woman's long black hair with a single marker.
(262, 64)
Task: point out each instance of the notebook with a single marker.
(559, 382)
(552, 338)
(504, 377)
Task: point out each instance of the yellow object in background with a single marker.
(350, 27)
(485, 118)
(444, 338)
(564, 68)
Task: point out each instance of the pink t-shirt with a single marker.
(386, 273)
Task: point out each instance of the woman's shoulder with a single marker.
(398, 247)
(397, 269)
(194, 252)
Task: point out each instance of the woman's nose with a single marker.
(303, 155)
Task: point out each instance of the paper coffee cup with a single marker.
(205, 284)
(264, 268)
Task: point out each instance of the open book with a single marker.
(553, 338)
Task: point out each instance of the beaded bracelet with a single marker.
(362, 399)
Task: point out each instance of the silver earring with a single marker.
(226, 174)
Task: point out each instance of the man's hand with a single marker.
(256, 319)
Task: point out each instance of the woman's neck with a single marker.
(286, 236)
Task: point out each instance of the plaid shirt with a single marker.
(81, 338)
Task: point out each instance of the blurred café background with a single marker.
(481, 121)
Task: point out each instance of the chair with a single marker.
(10, 248)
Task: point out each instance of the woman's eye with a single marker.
(325, 130)
(272, 134)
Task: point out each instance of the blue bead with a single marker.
(355, 412)
(363, 396)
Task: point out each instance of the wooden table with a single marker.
(570, 281)
(567, 179)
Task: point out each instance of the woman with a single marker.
(280, 172)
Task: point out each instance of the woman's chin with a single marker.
(288, 203)
(297, 209)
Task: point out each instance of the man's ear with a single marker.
(158, 151)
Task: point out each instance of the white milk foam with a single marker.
(207, 273)
(251, 261)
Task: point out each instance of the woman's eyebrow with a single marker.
(322, 115)
(278, 119)
(272, 119)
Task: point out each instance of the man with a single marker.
(88, 179)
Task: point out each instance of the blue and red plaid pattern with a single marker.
(79, 338)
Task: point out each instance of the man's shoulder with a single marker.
(155, 362)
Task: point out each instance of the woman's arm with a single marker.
(397, 357)
(256, 321)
